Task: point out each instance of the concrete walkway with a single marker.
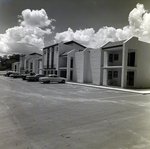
(138, 91)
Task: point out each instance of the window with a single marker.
(115, 75)
(48, 58)
(109, 74)
(52, 58)
(71, 63)
(55, 72)
(131, 59)
(116, 57)
(110, 57)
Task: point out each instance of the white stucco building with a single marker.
(16, 67)
(30, 63)
(124, 64)
(60, 59)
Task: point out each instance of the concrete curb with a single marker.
(141, 91)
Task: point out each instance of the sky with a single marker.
(29, 25)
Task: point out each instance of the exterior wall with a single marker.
(40, 66)
(95, 60)
(79, 66)
(22, 64)
(87, 74)
(44, 57)
(16, 67)
(142, 71)
(29, 65)
(56, 57)
(63, 61)
(69, 56)
(35, 66)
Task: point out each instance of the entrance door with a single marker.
(130, 78)
(71, 75)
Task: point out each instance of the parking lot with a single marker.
(64, 116)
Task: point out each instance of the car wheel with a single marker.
(63, 81)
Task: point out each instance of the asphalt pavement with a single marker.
(66, 116)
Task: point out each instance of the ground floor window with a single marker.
(115, 75)
(55, 72)
(130, 78)
(63, 73)
(109, 74)
(45, 72)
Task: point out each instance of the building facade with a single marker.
(59, 59)
(16, 67)
(124, 64)
(30, 63)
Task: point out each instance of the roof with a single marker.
(113, 44)
(68, 42)
(51, 46)
(35, 53)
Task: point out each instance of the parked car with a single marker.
(52, 78)
(8, 73)
(15, 75)
(23, 76)
(34, 78)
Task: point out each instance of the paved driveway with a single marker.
(63, 116)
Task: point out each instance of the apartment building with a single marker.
(59, 59)
(16, 66)
(126, 64)
(30, 63)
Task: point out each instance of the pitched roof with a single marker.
(50, 46)
(35, 53)
(68, 42)
(113, 44)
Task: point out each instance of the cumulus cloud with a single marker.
(90, 38)
(34, 18)
(139, 26)
(29, 35)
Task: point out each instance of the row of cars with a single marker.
(36, 77)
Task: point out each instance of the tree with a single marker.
(6, 61)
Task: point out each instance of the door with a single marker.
(71, 75)
(130, 78)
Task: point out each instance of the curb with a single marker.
(111, 88)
